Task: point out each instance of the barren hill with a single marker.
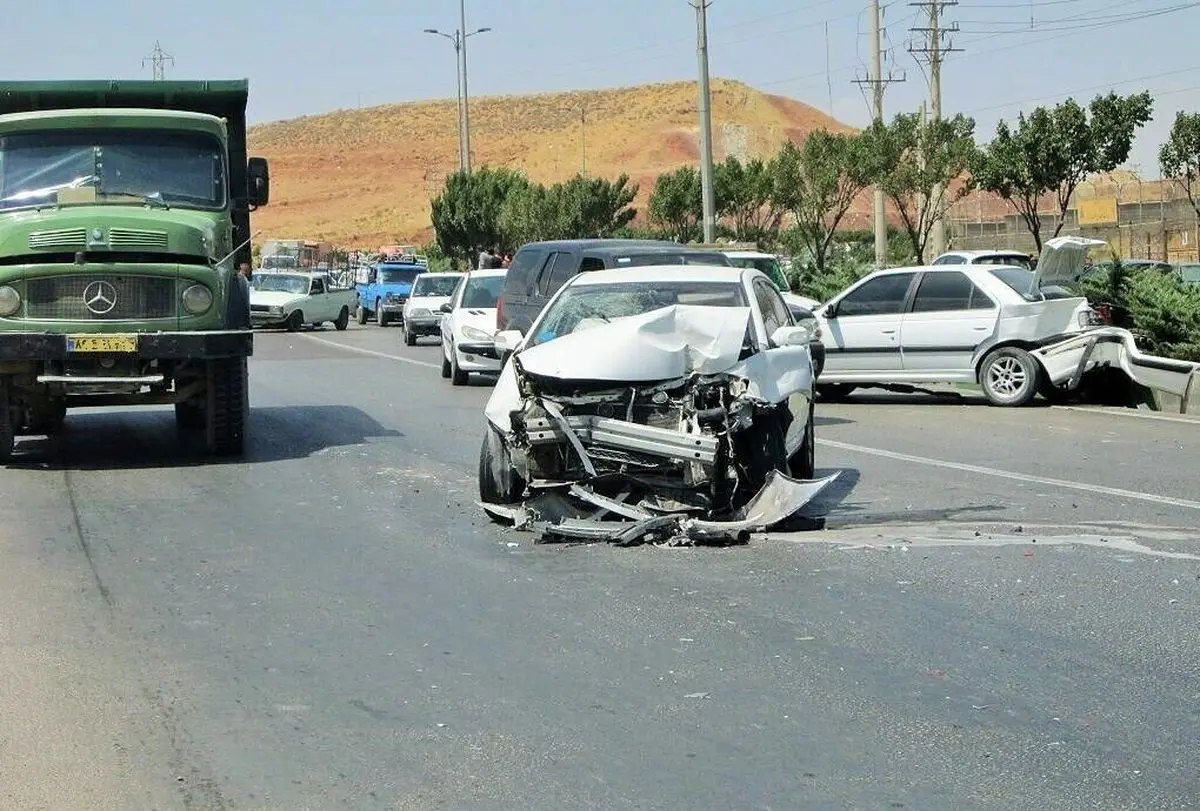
(363, 178)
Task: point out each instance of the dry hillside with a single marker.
(362, 178)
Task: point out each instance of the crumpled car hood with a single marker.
(659, 345)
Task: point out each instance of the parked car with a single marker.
(767, 263)
(539, 269)
(469, 325)
(382, 294)
(294, 298)
(986, 257)
(686, 389)
(423, 310)
(957, 323)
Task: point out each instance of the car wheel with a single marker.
(295, 321)
(343, 319)
(834, 392)
(499, 483)
(410, 337)
(1009, 376)
(458, 377)
(362, 315)
(803, 464)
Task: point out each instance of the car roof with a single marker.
(486, 272)
(749, 255)
(595, 244)
(663, 273)
(977, 253)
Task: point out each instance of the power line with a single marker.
(1105, 86)
(158, 59)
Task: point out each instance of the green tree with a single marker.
(675, 203)
(817, 183)
(1180, 158)
(1053, 150)
(916, 162)
(742, 194)
(466, 215)
(578, 209)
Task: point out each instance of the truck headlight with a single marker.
(197, 299)
(10, 301)
(473, 334)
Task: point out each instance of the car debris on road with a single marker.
(666, 405)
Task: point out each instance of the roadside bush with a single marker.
(1165, 314)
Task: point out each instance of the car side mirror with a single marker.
(508, 340)
(446, 308)
(830, 311)
(799, 335)
(258, 180)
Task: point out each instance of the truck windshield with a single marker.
(105, 166)
(281, 283)
(436, 285)
(387, 276)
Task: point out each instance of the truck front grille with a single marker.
(100, 297)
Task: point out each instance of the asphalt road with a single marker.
(1000, 613)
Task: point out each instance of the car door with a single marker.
(317, 302)
(950, 316)
(520, 286)
(862, 335)
(447, 320)
(774, 313)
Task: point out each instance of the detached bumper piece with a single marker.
(579, 514)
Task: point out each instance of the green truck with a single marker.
(124, 217)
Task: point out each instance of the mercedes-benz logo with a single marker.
(100, 297)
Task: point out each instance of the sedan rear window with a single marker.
(1020, 280)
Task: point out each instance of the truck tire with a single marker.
(227, 405)
(362, 315)
(8, 431)
(343, 320)
(1010, 376)
(295, 321)
(381, 318)
(189, 417)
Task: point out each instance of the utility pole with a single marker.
(933, 54)
(459, 41)
(706, 157)
(583, 134)
(878, 83)
(466, 103)
(158, 59)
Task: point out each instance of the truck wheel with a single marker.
(343, 320)
(381, 318)
(8, 436)
(362, 315)
(458, 377)
(295, 321)
(227, 406)
(410, 337)
(499, 483)
(189, 417)
(48, 419)
(1009, 376)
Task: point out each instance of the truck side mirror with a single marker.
(258, 176)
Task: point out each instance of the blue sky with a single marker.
(313, 57)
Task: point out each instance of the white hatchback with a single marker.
(469, 326)
(958, 323)
(423, 310)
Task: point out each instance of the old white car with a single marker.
(469, 325)
(423, 310)
(682, 391)
(995, 325)
(292, 299)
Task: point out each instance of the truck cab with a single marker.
(124, 215)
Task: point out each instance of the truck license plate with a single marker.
(102, 343)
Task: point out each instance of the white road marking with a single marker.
(1019, 477)
(1133, 412)
(371, 352)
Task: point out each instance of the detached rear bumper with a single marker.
(41, 346)
(1066, 361)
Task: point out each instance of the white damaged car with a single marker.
(677, 399)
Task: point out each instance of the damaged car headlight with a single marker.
(475, 334)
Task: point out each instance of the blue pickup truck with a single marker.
(385, 288)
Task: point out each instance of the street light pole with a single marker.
(460, 65)
(706, 158)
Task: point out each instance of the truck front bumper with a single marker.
(40, 346)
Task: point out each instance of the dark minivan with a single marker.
(540, 268)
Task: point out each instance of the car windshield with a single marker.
(281, 283)
(1020, 280)
(111, 166)
(768, 265)
(667, 258)
(394, 276)
(437, 285)
(482, 292)
(582, 306)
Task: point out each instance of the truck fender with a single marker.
(237, 312)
